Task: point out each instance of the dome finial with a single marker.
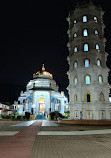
(43, 68)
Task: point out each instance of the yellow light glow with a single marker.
(42, 99)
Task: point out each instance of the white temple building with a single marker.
(88, 73)
(41, 96)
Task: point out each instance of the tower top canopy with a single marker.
(89, 4)
(84, 3)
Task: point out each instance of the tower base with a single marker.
(87, 122)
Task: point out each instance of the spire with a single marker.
(43, 68)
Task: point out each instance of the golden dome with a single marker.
(43, 73)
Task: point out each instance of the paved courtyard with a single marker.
(45, 139)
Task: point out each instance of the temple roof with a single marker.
(42, 89)
(42, 74)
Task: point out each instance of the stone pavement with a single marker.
(90, 132)
(7, 129)
(20, 145)
(71, 146)
(25, 124)
(29, 143)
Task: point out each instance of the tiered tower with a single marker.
(88, 74)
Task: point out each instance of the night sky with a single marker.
(33, 33)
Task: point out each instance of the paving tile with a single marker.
(91, 132)
(27, 143)
(20, 145)
(8, 133)
(27, 123)
(72, 146)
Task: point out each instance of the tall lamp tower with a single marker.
(88, 73)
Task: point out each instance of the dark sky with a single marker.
(33, 33)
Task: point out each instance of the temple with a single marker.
(41, 96)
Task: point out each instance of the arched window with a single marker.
(75, 64)
(98, 62)
(75, 35)
(75, 21)
(86, 47)
(75, 49)
(88, 98)
(84, 18)
(88, 79)
(95, 19)
(100, 78)
(75, 80)
(87, 62)
(101, 97)
(75, 98)
(96, 32)
(85, 32)
(97, 47)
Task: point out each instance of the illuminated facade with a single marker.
(41, 96)
(88, 74)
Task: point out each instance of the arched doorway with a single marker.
(42, 105)
(88, 98)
